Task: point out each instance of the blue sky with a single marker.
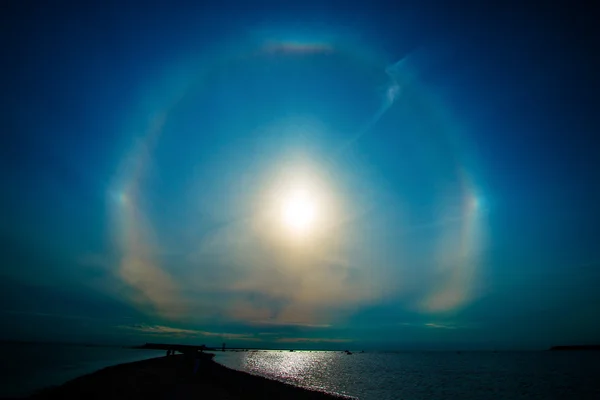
(152, 158)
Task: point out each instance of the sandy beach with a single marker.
(173, 378)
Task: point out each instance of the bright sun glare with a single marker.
(299, 211)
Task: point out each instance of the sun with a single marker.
(299, 211)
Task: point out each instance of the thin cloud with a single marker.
(139, 267)
(437, 325)
(284, 323)
(243, 267)
(180, 332)
(312, 340)
(440, 326)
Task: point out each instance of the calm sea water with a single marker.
(431, 375)
(26, 368)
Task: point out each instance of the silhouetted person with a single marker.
(196, 361)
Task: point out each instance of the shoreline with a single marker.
(173, 378)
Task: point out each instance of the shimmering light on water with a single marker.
(430, 375)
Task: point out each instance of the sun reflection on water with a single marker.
(309, 369)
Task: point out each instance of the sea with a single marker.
(27, 368)
(430, 375)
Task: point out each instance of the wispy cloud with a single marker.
(457, 260)
(269, 337)
(440, 326)
(289, 323)
(133, 230)
(163, 330)
(312, 340)
(243, 266)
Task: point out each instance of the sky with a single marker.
(308, 175)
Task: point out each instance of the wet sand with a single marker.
(173, 378)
